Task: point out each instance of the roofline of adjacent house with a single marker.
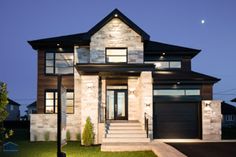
(12, 102)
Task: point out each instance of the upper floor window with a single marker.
(177, 92)
(51, 101)
(116, 55)
(59, 63)
(167, 64)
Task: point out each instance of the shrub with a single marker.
(78, 136)
(68, 135)
(88, 135)
(46, 136)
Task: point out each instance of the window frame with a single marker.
(116, 48)
(179, 89)
(54, 100)
(168, 62)
(54, 63)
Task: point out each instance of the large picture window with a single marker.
(59, 63)
(116, 55)
(51, 101)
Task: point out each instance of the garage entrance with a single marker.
(175, 120)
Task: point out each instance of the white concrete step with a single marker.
(117, 147)
(125, 128)
(126, 140)
(125, 124)
(127, 135)
(135, 131)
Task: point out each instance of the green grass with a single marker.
(72, 149)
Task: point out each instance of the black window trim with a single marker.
(54, 100)
(54, 63)
(169, 68)
(126, 62)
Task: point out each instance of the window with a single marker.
(176, 92)
(59, 63)
(51, 101)
(167, 64)
(11, 107)
(229, 117)
(116, 55)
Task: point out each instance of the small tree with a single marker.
(4, 134)
(88, 134)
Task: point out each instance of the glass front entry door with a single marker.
(117, 108)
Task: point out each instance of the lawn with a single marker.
(72, 149)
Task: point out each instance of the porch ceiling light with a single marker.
(116, 15)
(58, 44)
(163, 53)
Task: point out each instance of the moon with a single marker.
(202, 21)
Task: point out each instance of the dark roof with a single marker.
(84, 38)
(67, 40)
(33, 104)
(227, 108)
(185, 76)
(153, 47)
(123, 18)
(233, 100)
(13, 102)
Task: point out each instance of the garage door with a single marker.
(176, 120)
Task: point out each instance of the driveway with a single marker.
(210, 149)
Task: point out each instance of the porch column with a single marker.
(89, 102)
(146, 99)
(211, 120)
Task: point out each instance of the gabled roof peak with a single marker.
(118, 14)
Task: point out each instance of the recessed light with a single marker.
(58, 44)
(116, 15)
(163, 53)
(178, 82)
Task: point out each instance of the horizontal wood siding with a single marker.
(186, 64)
(48, 82)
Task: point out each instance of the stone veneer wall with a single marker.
(211, 120)
(89, 101)
(133, 101)
(146, 99)
(40, 124)
(116, 34)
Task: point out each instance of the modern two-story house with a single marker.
(132, 88)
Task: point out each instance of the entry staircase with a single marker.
(124, 136)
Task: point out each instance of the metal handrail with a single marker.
(146, 124)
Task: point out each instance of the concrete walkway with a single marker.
(191, 141)
(164, 150)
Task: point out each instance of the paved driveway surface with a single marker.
(224, 149)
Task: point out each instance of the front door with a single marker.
(117, 108)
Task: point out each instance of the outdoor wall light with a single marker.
(132, 92)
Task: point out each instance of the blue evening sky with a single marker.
(171, 21)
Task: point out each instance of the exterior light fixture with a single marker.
(157, 65)
(163, 53)
(178, 83)
(116, 15)
(58, 44)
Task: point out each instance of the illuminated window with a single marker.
(59, 63)
(51, 101)
(116, 55)
(176, 92)
(166, 64)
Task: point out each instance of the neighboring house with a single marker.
(31, 108)
(233, 100)
(120, 78)
(229, 114)
(13, 109)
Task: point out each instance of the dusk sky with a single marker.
(176, 22)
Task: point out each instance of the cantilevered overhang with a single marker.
(165, 77)
(111, 69)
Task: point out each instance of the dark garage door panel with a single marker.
(176, 120)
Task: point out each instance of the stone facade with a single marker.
(116, 34)
(133, 103)
(211, 120)
(41, 124)
(89, 101)
(146, 99)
